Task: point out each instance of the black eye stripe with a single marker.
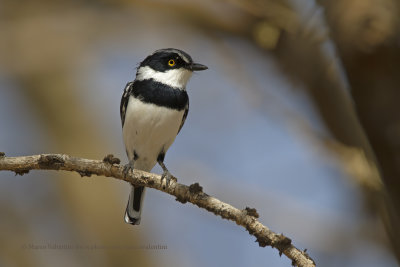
(159, 61)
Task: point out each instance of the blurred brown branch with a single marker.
(194, 194)
(366, 34)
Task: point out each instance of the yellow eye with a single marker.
(171, 62)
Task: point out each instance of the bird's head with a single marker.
(168, 66)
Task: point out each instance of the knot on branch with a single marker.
(195, 188)
(84, 173)
(51, 161)
(281, 242)
(111, 159)
(251, 212)
(182, 199)
(21, 172)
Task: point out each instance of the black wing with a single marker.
(124, 101)
(184, 116)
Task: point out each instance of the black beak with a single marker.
(197, 66)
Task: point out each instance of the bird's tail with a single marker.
(134, 207)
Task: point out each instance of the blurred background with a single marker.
(297, 116)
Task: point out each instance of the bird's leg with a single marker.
(131, 164)
(166, 174)
(128, 167)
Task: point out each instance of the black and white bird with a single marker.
(153, 110)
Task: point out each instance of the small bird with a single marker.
(153, 110)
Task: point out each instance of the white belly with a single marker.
(149, 129)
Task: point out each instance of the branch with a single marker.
(194, 194)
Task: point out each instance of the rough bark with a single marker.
(194, 194)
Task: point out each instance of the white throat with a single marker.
(177, 78)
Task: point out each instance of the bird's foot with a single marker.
(127, 168)
(167, 176)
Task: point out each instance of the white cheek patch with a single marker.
(177, 78)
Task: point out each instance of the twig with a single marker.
(194, 194)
